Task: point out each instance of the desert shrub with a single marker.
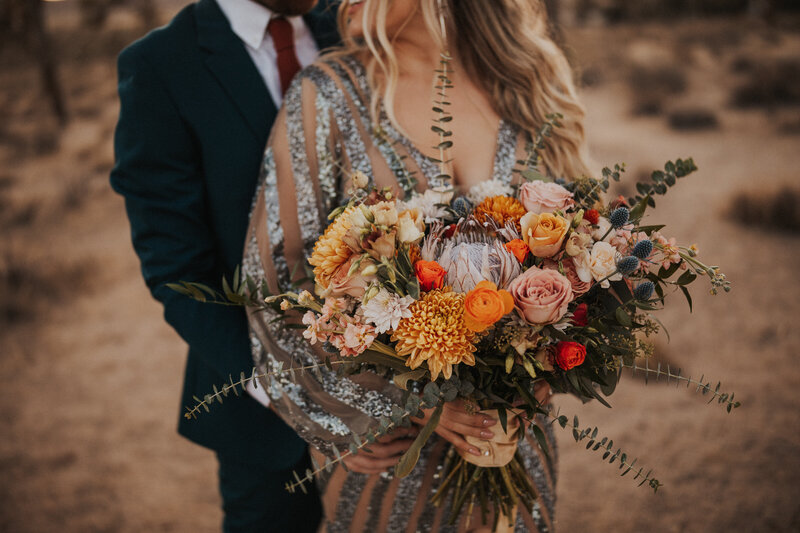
(776, 210)
(770, 85)
(651, 87)
(692, 119)
(29, 285)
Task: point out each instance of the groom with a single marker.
(198, 99)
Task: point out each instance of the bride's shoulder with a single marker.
(333, 72)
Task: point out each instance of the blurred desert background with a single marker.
(90, 374)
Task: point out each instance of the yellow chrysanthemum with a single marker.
(330, 251)
(500, 208)
(436, 333)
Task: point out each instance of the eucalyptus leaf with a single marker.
(409, 459)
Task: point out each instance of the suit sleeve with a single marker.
(158, 170)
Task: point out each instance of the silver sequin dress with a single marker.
(322, 134)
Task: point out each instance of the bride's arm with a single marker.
(289, 214)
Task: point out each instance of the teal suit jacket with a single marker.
(194, 120)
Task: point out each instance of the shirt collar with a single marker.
(248, 20)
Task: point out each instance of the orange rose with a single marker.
(430, 275)
(518, 248)
(484, 305)
(570, 354)
(544, 233)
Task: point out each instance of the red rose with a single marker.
(430, 274)
(570, 354)
(619, 201)
(580, 317)
(592, 215)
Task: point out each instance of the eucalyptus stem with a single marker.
(703, 388)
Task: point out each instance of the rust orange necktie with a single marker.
(282, 35)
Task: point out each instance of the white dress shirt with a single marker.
(248, 21)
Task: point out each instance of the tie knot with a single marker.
(281, 32)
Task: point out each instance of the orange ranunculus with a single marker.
(484, 305)
(570, 354)
(518, 248)
(430, 274)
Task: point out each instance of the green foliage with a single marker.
(610, 454)
(660, 182)
(701, 386)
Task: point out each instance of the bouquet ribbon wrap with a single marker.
(496, 453)
(501, 448)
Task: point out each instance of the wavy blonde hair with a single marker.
(505, 47)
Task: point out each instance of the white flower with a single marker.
(603, 225)
(432, 203)
(582, 263)
(486, 189)
(407, 228)
(358, 217)
(360, 180)
(385, 213)
(577, 243)
(603, 263)
(385, 310)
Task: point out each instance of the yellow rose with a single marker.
(544, 233)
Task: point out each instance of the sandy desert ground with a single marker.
(90, 374)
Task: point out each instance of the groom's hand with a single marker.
(384, 453)
(456, 422)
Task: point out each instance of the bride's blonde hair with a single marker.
(504, 45)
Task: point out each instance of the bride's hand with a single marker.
(386, 452)
(456, 422)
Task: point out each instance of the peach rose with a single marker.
(541, 197)
(344, 283)
(579, 287)
(484, 305)
(541, 296)
(544, 233)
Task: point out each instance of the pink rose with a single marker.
(579, 287)
(544, 197)
(355, 285)
(541, 296)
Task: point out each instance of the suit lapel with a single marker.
(233, 68)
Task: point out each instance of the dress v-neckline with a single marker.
(505, 140)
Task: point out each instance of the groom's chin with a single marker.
(288, 8)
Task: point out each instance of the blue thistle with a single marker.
(644, 290)
(643, 249)
(619, 217)
(462, 206)
(628, 265)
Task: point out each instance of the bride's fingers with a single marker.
(362, 465)
(400, 433)
(480, 432)
(389, 449)
(457, 413)
(457, 441)
(542, 392)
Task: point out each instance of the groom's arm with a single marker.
(158, 171)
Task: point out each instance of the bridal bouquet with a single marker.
(481, 296)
